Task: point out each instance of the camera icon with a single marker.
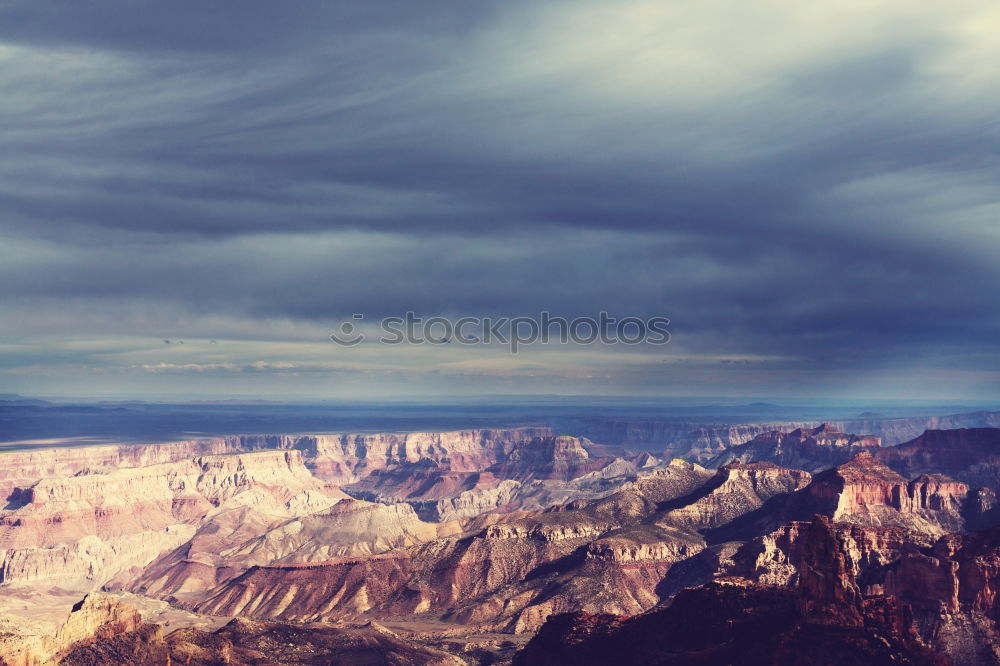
(347, 334)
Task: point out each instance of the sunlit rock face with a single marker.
(22, 469)
(347, 458)
(102, 631)
(338, 458)
(865, 491)
(96, 617)
(226, 544)
(734, 491)
(84, 530)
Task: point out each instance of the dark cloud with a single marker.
(780, 195)
(254, 27)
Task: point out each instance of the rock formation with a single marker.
(101, 631)
(338, 458)
(824, 619)
(865, 491)
(810, 449)
(736, 490)
(613, 554)
(971, 455)
(228, 543)
(949, 584)
(492, 532)
(952, 588)
(81, 531)
(95, 617)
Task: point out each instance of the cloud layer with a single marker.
(808, 187)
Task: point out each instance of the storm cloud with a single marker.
(808, 189)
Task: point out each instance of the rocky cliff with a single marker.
(824, 619)
(865, 491)
(734, 491)
(952, 588)
(83, 516)
(96, 617)
(810, 449)
(81, 531)
(338, 458)
(971, 455)
(949, 584)
(535, 494)
(496, 531)
(346, 458)
(526, 459)
(23, 469)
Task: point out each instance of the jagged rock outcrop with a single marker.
(824, 619)
(775, 558)
(23, 469)
(440, 576)
(498, 530)
(509, 576)
(94, 618)
(949, 584)
(810, 449)
(205, 520)
(536, 494)
(865, 491)
(89, 561)
(877, 510)
(734, 491)
(471, 503)
(547, 457)
(347, 458)
(862, 491)
(687, 440)
(953, 589)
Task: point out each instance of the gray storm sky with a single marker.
(810, 191)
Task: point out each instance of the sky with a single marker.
(194, 195)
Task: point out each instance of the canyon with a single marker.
(515, 545)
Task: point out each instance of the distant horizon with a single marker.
(569, 399)
(78, 421)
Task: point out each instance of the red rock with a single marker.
(971, 455)
(735, 621)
